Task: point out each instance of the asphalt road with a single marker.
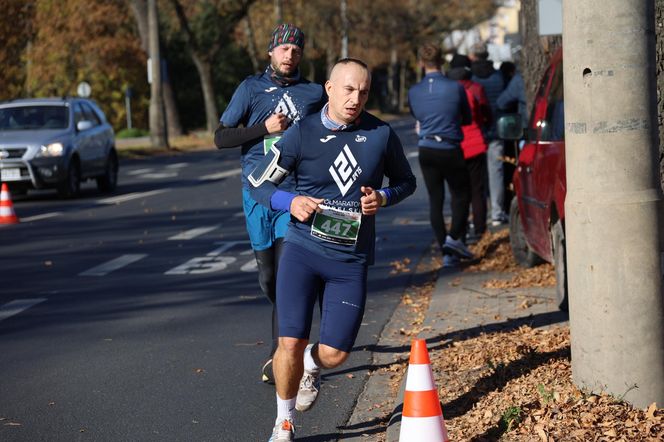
(137, 316)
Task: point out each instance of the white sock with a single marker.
(285, 408)
(309, 363)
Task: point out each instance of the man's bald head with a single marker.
(348, 90)
(353, 63)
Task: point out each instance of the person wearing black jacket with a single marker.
(493, 83)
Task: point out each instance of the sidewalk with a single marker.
(460, 308)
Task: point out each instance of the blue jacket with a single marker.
(493, 83)
(333, 165)
(441, 107)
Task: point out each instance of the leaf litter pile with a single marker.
(516, 385)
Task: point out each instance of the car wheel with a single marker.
(560, 264)
(109, 180)
(71, 186)
(521, 251)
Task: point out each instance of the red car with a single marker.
(537, 212)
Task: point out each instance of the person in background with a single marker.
(512, 101)
(440, 107)
(493, 83)
(473, 145)
(261, 108)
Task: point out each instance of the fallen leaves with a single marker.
(494, 254)
(400, 266)
(516, 386)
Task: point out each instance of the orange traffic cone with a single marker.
(7, 214)
(422, 417)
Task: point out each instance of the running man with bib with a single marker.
(261, 108)
(338, 159)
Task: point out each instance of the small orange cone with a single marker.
(422, 417)
(7, 214)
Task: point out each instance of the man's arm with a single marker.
(227, 137)
(401, 182)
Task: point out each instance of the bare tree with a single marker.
(229, 14)
(158, 135)
(140, 11)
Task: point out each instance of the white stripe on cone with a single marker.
(419, 378)
(6, 211)
(423, 429)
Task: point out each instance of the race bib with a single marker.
(268, 141)
(336, 226)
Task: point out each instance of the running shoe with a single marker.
(283, 431)
(308, 391)
(450, 261)
(267, 375)
(457, 247)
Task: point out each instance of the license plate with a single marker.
(10, 174)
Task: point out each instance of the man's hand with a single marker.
(371, 200)
(302, 207)
(277, 123)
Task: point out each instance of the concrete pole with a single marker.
(613, 207)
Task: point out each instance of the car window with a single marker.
(90, 114)
(554, 122)
(34, 118)
(78, 113)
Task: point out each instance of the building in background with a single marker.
(500, 32)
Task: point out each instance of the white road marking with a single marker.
(193, 233)
(177, 166)
(250, 266)
(412, 155)
(202, 264)
(220, 175)
(160, 175)
(212, 262)
(17, 306)
(398, 221)
(114, 264)
(42, 216)
(139, 171)
(238, 215)
(130, 196)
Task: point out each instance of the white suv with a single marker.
(56, 143)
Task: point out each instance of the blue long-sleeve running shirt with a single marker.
(257, 98)
(333, 165)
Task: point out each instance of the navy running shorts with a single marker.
(301, 274)
(263, 225)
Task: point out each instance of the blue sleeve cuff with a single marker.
(281, 200)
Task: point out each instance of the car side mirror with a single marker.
(509, 127)
(83, 125)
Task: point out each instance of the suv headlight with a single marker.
(51, 150)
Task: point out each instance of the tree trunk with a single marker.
(330, 58)
(140, 11)
(344, 30)
(204, 69)
(158, 136)
(278, 12)
(172, 115)
(659, 49)
(251, 44)
(402, 87)
(392, 93)
(536, 50)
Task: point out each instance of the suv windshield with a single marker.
(34, 118)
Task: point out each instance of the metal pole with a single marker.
(613, 206)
